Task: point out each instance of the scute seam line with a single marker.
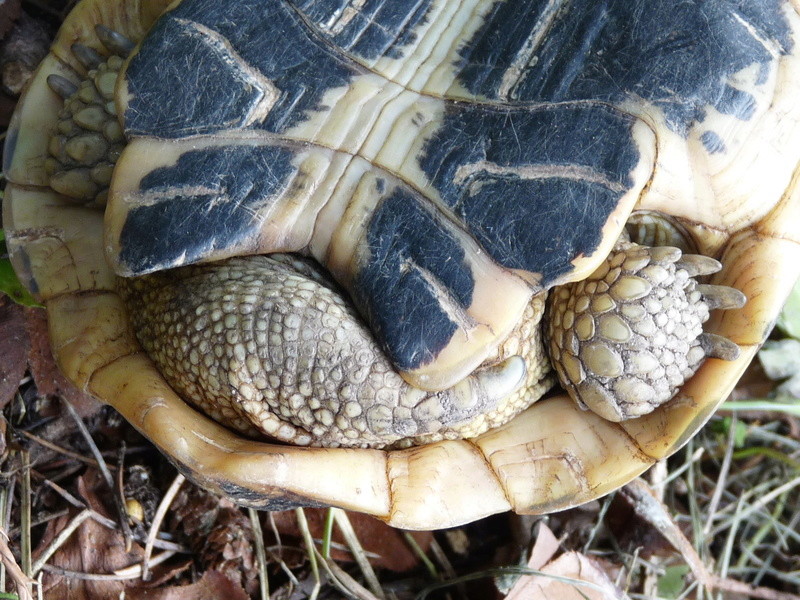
(491, 469)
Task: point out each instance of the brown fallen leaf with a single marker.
(384, 545)
(9, 12)
(212, 586)
(14, 348)
(92, 548)
(43, 368)
(571, 576)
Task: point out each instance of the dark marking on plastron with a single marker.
(274, 500)
(534, 186)
(206, 202)
(411, 260)
(376, 28)
(712, 142)
(183, 83)
(12, 135)
(678, 55)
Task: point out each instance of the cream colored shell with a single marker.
(549, 458)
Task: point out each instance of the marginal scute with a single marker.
(54, 245)
(440, 483)
(554, 456)
(87, 332)
(763, 268)
(219, 459)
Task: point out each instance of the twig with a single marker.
(103, 520)
(132, 572)
(59, 540)
(723, 475)
(21, 581)
(161, 512)
(25, 514)
(60, 450)
(101, 464)
(343, 522)
(654, 512)
(302, 523)
(343, 581)
(261, 553)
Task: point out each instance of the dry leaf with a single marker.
(212, 586)
(14, 345)
(544, 548)
(385, 545)
(92, 548)
(49, 380)
(550, 585)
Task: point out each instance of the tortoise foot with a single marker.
(624, 340)
(86, 144)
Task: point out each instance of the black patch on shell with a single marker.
(12, 135)
(205, 202)
(205, 66)
(276, 500)
(534, 186)
(378, 28)
(409, 255)
(678, 55)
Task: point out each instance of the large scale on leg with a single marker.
(447, 164)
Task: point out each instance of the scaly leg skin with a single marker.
(269, 345)
(626, 338)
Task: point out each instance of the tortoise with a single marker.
(361, 228)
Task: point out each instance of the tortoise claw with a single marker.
(88, 57)
(61, 86)
(499, 381)
(697, 265)
(721, 296)
(114, 41)
(716, 346)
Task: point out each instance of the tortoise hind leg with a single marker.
(268, 345)
(627, 337)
